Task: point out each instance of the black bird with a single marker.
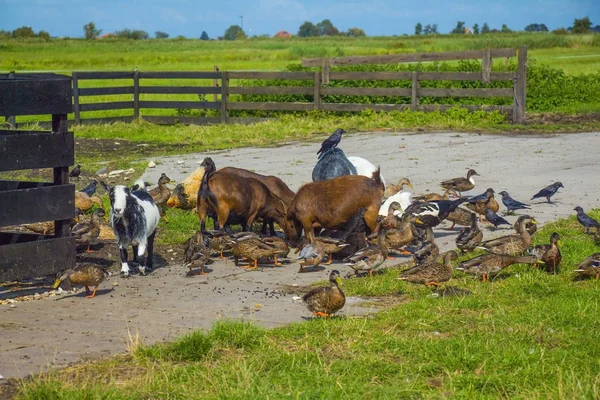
(480, 197)
(75, 172)
(495, 219)
(91, 188)
(332, 141)
(512, 204)
(548, 192)
(585, 220)
(431, 213)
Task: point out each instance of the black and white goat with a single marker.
(134, 218)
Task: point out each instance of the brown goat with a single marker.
(275, 185)
(246, 197)
(328, 204)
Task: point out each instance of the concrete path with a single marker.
(63, 329)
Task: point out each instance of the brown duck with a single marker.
(427, 250)
(370, 258)
(280, 244)
(529, 225)
(590, 266)
(252, 249)
(461, 184)
(83, 275)
(195, 253)
(431, 273)
(87, 232)
(511, 244)
(392, 189)
(328, 244)
(549, 253)
(460, 216)
(311, 254)
(325, 301)
(470, 237)
(481, 203)
(447, 195)
(491, 264)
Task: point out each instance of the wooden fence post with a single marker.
(215, 82)
(11, 120)
(61, 174)
(486, 65)
(224, 97)
(520, 87)
(76, 110)
(325, 71)
(317, 95)
(136, 94)
(414, 102)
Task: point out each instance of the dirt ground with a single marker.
(58, 330)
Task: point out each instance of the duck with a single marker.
(447, 195)
(426, 250)
(548, 191)
(402, 198)
(252, 248)
(84, 274)
(392, 189)
(161, 193)
(590, 266)
(492, 263)
(326, 301)
(280, 244)
(529, 225)
(391, 221)
(84, 202)
(470, 237)
(312, 254)
(87, 232)
(398, 237)
(220, 241)
(483, 202)
(461, 184)
(460, 216)
(371, 257)
(511, 244)
(195, 253)
(585, 220)
(329, 245)
(549, 253)
(431, 273)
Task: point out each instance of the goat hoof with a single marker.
(142, 270)
(125, 274)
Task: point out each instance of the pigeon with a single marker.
(332, 141)
(75, 172)
(495, 219)
(548, 192)
(512, 204)
(585, 220)
(91, 188)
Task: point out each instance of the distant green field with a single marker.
(575, 54)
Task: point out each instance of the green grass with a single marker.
(527, 334)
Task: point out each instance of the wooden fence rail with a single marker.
(314, 85)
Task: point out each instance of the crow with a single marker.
(332, 141)
(585, 220)
(548, 192)
(75, 172)
(512, 204)
(495, 219)
(91, 188)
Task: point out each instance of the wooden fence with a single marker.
(317, 85)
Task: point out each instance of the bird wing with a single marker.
(586, 220)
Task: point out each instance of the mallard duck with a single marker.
(161, 193)
(529, 225)
(311, 254)
(511, 244)
(325, 301)
(447, 195)
(328, 244)
(392, 189)
(461, 184)
(86, 275)
(84, 202)
(548, 253)
(426, 250)
(87, 232)
(483, 202)
(252, 249)
(371, 257)
(280, 244)
(548, 191)
(219, 241)
(391, 221)
(397, 238)
(431, 273)
(590, 266)
(43, 228)
(459, 216)
(470, 237)
(195, 254)
(492, 263)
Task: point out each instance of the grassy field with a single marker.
(525, 335)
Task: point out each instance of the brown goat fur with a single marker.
(273, 183)
(246, 197)
(328, 204)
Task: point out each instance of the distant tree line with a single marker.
(326, 28)
(23, 33)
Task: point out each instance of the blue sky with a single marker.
(376, 17)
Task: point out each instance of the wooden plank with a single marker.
(317, 91)
(271, 90)
(35, 150)
(353, 107)
(365, 91)
(136, 94)
(459, 92)
(423, 76)
(25, 256)
(76, 110)
(106, 120)
(444, 107)
(520, 87)
(61, 175)
(270, 75)
(105, 75)
(180, 90)
(180, 75)
(105, 91)
(11, 120)
(224, 97)
(172, 120)
(402, 58)
(370, 76)
(202, 105)
(109, 105)
(414, 89)
(30, 97)
(270, 106)
(26, 202)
